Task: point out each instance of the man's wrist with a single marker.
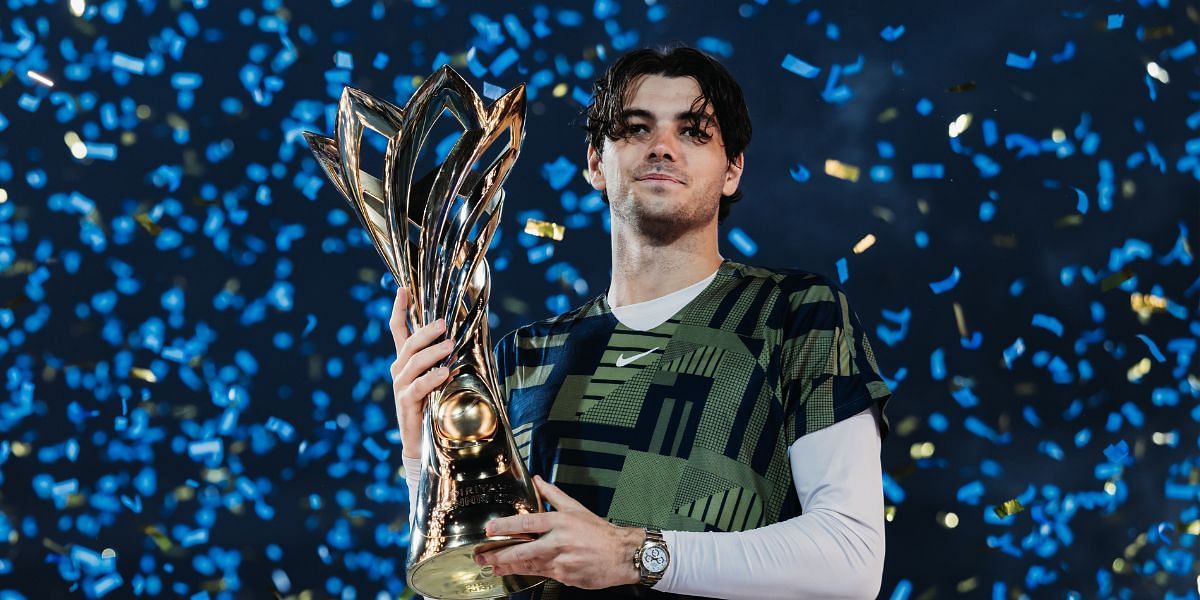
(631, 542)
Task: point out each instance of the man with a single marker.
(703, 428)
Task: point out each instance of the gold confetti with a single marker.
(948, 520)
(20, 449)
(967, 585)
(545, 229)
(1118, 565)
(108, 553)
(144, 374)
(1071, 220)
(1116, 279)
(1158, 32)
(1147, 303)
(176, 121)
(53, 546)
(889, 513)
(864, 244)
(160, 540)
(888, 114)
(1193, 528)
(1128, 188)
(216, 585)
(841, 170)
(1058, 135)
(46, 81)
(143, 112)
(965, 86)
(1161, 438)
(921, 450)
(3, 195)
(1137, 371)
(1110, 488)
(75, 144)
(560, 90)
(907, 425)
(961, 320)
(1007, 508)
(1158, 72)
(960, 125)
(148, 224)
(78, 7)
(883, 213)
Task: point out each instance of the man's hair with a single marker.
(611, 93)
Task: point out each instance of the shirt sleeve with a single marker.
(834, 550)
(828, 369)
(412, 476)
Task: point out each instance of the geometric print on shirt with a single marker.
(686, 426)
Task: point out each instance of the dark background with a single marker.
(320, 510)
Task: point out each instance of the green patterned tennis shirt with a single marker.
(686, 426)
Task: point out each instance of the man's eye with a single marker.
(636, 128)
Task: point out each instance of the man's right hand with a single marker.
(412, 379)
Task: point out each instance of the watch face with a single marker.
(655, 559)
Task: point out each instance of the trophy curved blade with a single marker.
(357, 111)
(444, 90)
(369, 211)
(446, 249)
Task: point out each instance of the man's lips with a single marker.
(659, 177)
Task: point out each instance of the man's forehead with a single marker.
(664, 97)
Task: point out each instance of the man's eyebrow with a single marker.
(687, 115)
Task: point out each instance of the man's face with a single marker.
(667, 175)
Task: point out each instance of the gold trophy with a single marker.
(433, 235)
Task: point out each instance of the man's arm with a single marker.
(834, 550)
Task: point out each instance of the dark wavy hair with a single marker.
(611, 92)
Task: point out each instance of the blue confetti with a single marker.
(1018, 61)
(1048, 323)
(892, 33)
(801, 68)
(741, 240)
(947, 284)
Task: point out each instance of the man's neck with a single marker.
(642, 271)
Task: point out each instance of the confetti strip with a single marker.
(545, 229)
(841, 170)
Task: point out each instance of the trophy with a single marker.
(433, 235)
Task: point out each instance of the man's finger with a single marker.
(556, 497)
(397, 323)
(526, 523)
(537, 552)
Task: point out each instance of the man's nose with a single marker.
(664, 146)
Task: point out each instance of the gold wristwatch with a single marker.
(652, 558)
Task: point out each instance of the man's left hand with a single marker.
(576, 547)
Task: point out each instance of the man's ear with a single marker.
(733, 174)
(595, 173)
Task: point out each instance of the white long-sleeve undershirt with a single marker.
(835, 549)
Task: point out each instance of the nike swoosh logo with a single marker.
(622, 361)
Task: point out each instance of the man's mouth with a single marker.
(659, 177)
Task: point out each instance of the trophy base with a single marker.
(453, 575)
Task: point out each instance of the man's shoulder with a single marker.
(798, 285)
(552, 329)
